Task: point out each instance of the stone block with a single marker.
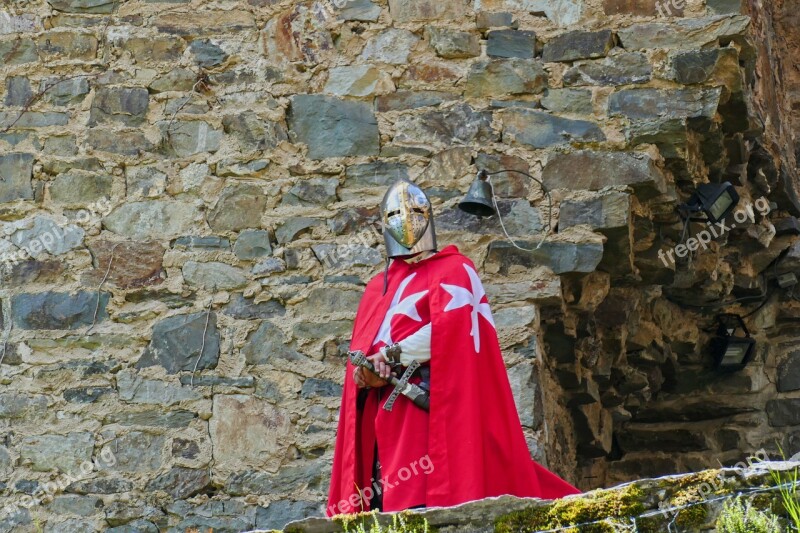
(62, 452)
(18, 91)
(560, 257)
(135, 389)
(661, 439)
(485, 20)
(358, 80)
(280, 512)
(392, 46)
(136, 451)
(293, 227)
(61, 45)
(360, 10)
(85, 6)
(124, 142)
(40, 236)
(562, 13)
(180, 482)
(333, 128)
(575, 45)
(155, 49)
(127, 105)
(18, 52)
(664, 103)
(213, 275)
(589, 170)
(57, 310)
(266, 344)
(499, 77)
(424, 10)
(599, 211)
(625, 68)
(246, 431)
(789, 373)
(313, 191)
(642, 8)
(459, 123)
(575, 101)
(189, 137)
(134, 264)
(511, 43)
(313, 388)
(86, 394)
(153, 219)
(684, 34)
(239, 207)
(300, 33)
(176, 343)
(207, 54)
(451, 44)
(152, 417)
(17, 171)
(725, 7)
(254, 133)
(252, 244)
(33, 119)
(79, 189)
(18, 405)
(542, 130)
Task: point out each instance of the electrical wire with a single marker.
(500, 217)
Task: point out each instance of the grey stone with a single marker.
(60, 45)
(620, 69)
(57, 310)
(391, 46)
(589, 170)
(65, 92)
(323, 301)
(783, 412)
(33, 119)
(403, 100)
(18, 52)
(206, 53)
(179, 79)
(243, 308)
(62, 452)
(189, 137)
(210, 242)
(519, 217)
(412, 10)
(61, 145)
(76, 505)
(135, 389)
(280, 512)
(578, 101)
(18, 405)
(177, 341)
(124, 142)
(670, 135)
(213, 275)
(6, 464)
(100, 486)
(236, 167)
(154, 418)
(658, 103)
(127, 105)
(313, 191)
(137, 526)
(252, 244)
(789, 373)
(186, 449)
(560, 257)
(661, 439)
(313, 388)
(268, 266)
(85, 6)
(684, 34)
(136, 451)
(293, 227)
(724, 7)
(150, 49)
(361, 10)
(86, 394)
(316, 330)
(218, 381)
(541, 130)
(22, 23)
(147, 181)
(287, 480)
(17, 170)
(266, 343)
(511, 43)
(254, 132)
(79, 189)
(497, 77)
(238, 207)
(333, 128)
(696, 66)
(457, 124)
(180, 482)
(18, 91)
(375, 174)
(485, 20)
(152, 219)
(357, 80)
(346, 255)
(451, 44)
(600, 211)
(578, 45)
(524, 383)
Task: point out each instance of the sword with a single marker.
(413, 392)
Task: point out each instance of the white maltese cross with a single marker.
(462, 296)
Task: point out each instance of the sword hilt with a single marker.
(413, 392)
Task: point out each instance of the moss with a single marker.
(403, 522)
(599, 505)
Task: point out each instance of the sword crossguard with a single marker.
(401, 384)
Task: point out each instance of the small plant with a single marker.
(788, 483)
(740, 517)
(399, 524)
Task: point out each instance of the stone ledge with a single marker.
(644, 497)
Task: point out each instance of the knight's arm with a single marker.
(416, 346)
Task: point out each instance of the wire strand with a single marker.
(500, 217)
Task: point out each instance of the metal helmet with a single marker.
(407, 218)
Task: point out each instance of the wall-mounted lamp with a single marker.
(480, 201)
(716, 200)
(733, 347)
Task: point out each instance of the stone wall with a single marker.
(194, 185)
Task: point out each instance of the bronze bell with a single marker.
(478, 200)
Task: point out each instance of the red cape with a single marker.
(474, 438)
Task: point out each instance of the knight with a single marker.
(427, 417)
